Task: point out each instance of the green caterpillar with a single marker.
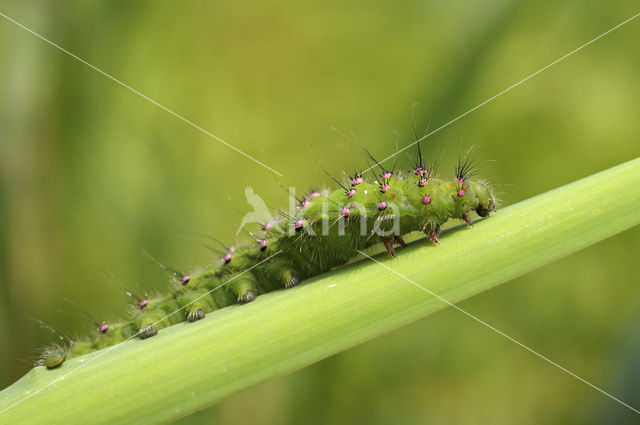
(325, 230)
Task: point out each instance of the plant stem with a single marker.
(191, 365)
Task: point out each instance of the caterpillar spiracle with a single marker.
(327, 229)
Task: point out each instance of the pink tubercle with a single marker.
(314, 195)
(422, 182)
(426, 200)
(419, 171)
(384, 187)
(345, 212)
(103, 328)
(226, 258)
(461, 193)
(460, 181)
(382, 205)
(386, 175)
(267, 226)
(298, 224)
(350, 193)
(263, 244)
(356, 180)
(231, 249)
(185, 279)
(305, 203)
(143, 303)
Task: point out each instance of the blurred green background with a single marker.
(90, 172)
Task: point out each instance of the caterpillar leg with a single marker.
(157, 314)
(196, 304)
(244, 288)
(145, 324)
(280, 273)
(467, 219)
(147, 331)
(195, 314)
(388, 244)
(433, 235)
(293, 281)
(289, 278)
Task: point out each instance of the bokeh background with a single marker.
(90, 172)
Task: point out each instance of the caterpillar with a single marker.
(325, 229)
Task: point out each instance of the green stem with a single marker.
(191, 365)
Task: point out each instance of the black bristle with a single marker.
(464, 169)
(176, 274)
(334, 179)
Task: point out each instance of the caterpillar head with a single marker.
(486, 198)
